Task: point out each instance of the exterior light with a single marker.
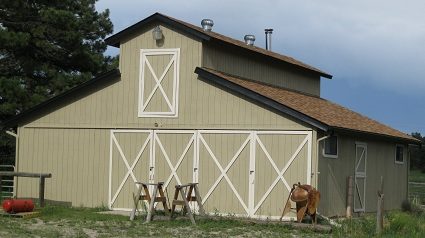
(157, 33)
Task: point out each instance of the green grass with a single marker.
(416, 176)
(417, 191)
(396, 224)
(58, 221)
(87, 222)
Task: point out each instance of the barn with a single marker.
(188, 104)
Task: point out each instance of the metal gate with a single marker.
(246, 173)
(8, 182)
(360, 177)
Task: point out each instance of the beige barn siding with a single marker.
(246, 65)
(78, 160)
(380, 162)
(200, 105)
(73, 141)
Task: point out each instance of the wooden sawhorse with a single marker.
(158, 187)
(187, 197)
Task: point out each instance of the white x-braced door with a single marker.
(239, 172)
(224, 161)
(173, 160)
(360, 177)
(130, 158)
(159, 82)
(281, 160)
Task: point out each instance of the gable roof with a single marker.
(199, 33)
(316, 111)
(96, 81)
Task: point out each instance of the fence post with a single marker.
(380, 208)
(349, 197)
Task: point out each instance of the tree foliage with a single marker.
(417, 154)
(47, 47)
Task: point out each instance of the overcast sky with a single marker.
(374, 49)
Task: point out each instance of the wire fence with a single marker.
(417, 193)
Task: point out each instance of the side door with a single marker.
(360, 177)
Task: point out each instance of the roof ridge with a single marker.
(207, 36)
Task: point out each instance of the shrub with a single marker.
(406, 206)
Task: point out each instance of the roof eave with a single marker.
(115, 39)
(413, 141)
(260, 98)
(15, 120)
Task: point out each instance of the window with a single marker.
(158, 83)
(399, 155)
(330, 148)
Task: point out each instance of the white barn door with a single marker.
(130, 156)
(281, 160)
(360, 177)
(248, 173)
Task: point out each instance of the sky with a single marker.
(375, 50)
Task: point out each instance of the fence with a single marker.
(417, 193)
(7, 182)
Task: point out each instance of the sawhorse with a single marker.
(187, 197)
(158, 187)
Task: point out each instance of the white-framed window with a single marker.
(399, 154)
(330, 147)
(159, 82)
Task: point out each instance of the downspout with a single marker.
(318, 153)
(11, 133)
(332, 222)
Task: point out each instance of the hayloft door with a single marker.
(360, 177)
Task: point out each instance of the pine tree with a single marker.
(46, 47)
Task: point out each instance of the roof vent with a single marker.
(249, 39)
(207, 24)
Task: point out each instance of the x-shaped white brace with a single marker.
(224, 171)
(280, 173)
(167, 159)
(130, 169)
(158, 83)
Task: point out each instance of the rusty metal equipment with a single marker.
(306, 198)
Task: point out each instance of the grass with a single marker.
(87, 222)
(416, 176)
(396, 224)
(417, 191)
(56, 221)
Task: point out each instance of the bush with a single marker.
(406, 206)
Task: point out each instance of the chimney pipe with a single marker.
(268, 38)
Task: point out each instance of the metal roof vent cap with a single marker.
(207, 24)
(249, 39)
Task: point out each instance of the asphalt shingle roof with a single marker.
(325, 111)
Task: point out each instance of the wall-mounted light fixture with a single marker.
(157, 33)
